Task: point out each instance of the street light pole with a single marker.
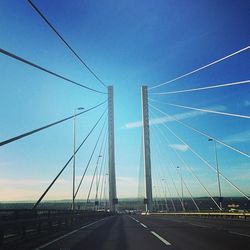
(182, 200)
(74, 160)
(218, 172)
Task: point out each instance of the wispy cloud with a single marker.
(136, 124)
(238, 138)
(179, 147)
(165, 119)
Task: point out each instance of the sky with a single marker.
(128, 44)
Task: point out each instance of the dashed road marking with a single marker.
(152, 232)
(198, 225)
(143, 225)
(160, 238)
(134, 219)
(246, 235)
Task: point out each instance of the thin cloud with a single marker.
(238, 138)
(179, 147)
(133, 125)
(166, 119)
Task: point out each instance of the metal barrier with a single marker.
(229, 215)
(19, 223)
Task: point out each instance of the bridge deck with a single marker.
(156, 232)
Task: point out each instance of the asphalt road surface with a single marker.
(124, 232)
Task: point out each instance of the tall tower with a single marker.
(146, 149)
(112, 181)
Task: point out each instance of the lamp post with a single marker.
(182, 200)
(217, 170)
(74, 151)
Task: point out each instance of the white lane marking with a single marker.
(66, 235)
(152, 232)
(143, 225)
(160, 238)
(198, 225)
(239, 234)
(138, 222)
(134, 219)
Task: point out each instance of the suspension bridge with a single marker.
(185, 200)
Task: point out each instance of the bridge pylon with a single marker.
(111, 151)
(146, 150)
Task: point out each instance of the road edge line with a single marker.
(68, 234)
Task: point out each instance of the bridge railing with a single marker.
(16, 224)
(227, 215)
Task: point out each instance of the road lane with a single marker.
(239, 226)
(117, 232)
(197, 233)
(66, 236)
(137, 232)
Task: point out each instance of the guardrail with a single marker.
(16, 224)
(229, 215)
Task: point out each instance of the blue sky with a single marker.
(127, 43)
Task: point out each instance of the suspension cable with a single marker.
(67, 163)
(105, 189)
(95, 174)
(46, 126)
(102, 194)
(102, 173)
(66, 43)
(203, 67)
(102, 163)
(170, 194)
(190, 169)
(172, 179)
(191, 196)
(208, 111)
(178, 155)
(92, 181)
(164, 191)
(202, 159)
(202, 88)
(101, 153)
(47, 70)
(204, 134)
(90, 159)
(160, 163)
